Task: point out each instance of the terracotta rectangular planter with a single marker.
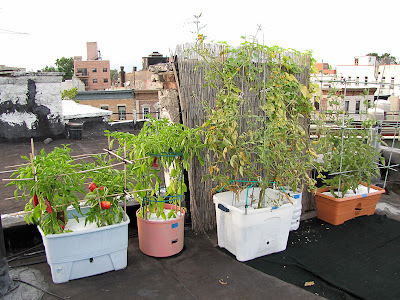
(338, 210)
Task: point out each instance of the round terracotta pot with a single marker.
(161, 238)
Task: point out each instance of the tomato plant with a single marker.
(350, 157)
(258, 143)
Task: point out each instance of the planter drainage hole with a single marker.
(358, 208)
(174, 241)
(91, 260)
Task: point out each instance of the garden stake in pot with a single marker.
(125, 181)
(101, 209)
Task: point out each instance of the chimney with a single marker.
(92, 53)
(122, 77)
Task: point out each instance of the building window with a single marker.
(94, 80)
(383, 82)
(85, 82)
(105, 80)
(105, 107)
(366, 80)
(146, 111)
(348, 80)
(356, 61)
(81, 72)
(346, 106)
(105, 69)
(392, 83)
(94, 70)
(357, 107)
(121, 112)
(357, 80)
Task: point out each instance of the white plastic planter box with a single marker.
(254, 233)
(297, 196)
(86, 252)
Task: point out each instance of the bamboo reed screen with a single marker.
(195, 94)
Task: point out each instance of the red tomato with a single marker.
(92, 186)
(105, 204)
(101, 188)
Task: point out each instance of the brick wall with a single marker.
(146, 99)
(112, 105)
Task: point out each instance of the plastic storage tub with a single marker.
(86, 252)
(254, 233)
(297, 196)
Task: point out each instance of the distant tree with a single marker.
(69, 94)
(384, 59)
(114, 75)
(49, 69)
(63, 64)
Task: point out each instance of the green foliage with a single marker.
(350, 156)
(385, 58)
(114, 75)
(69, 94)
(110, 187)
(276, 135)
(63, 64)
(159, 144)
(57, 186)
(49, 69)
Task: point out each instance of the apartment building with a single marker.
(93, 72)
(389, 79)
(362, 74)
(354, 84)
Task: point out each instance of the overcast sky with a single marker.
(125, 31)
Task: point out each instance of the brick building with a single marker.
(324, 68)
(146, 101)
(124, 104)
(93, 72)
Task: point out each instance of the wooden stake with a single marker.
(125, 181)
(101, 210)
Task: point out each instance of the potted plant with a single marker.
(255, 152)
(351, 160)
(77, 244)
(160, 153)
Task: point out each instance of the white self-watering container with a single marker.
(252, 232)
(298, 197)
(86, 252)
